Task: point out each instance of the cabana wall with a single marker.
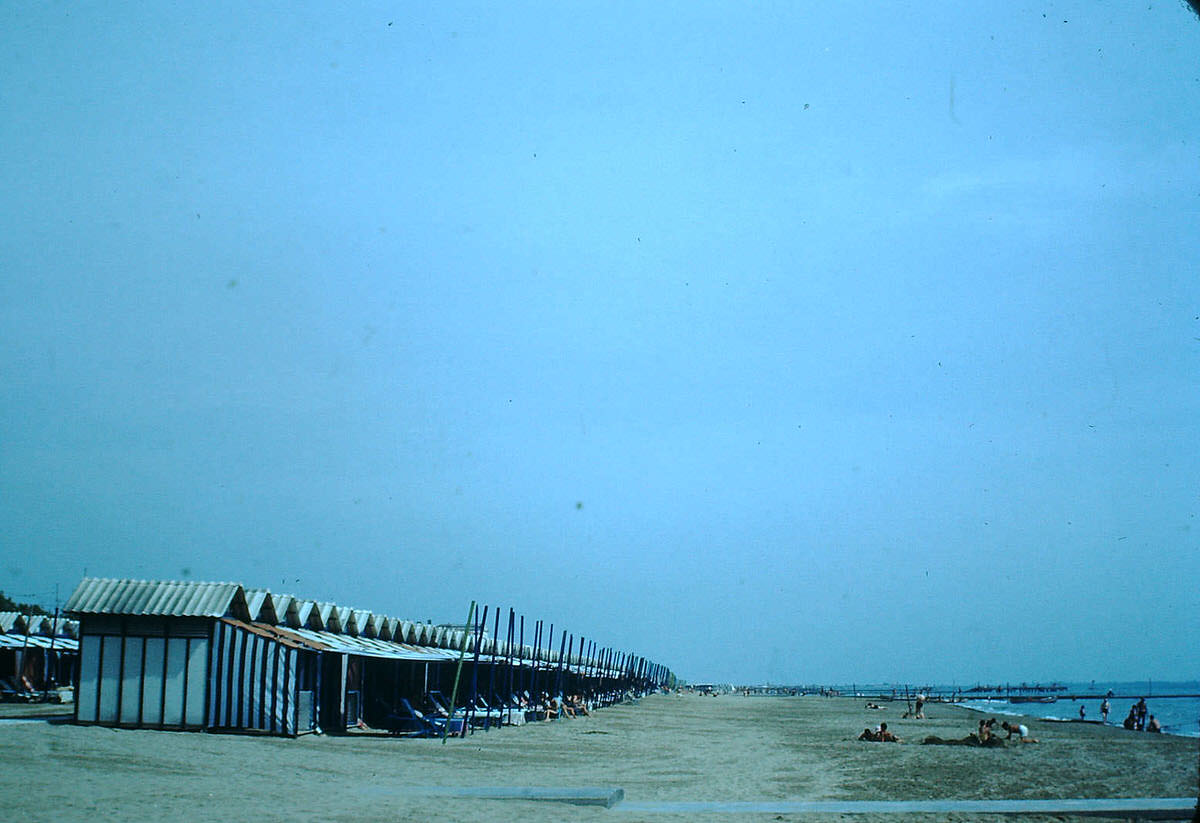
(260, 681)
(143, 671)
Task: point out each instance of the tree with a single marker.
(7, 604)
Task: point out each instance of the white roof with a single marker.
(168, 598)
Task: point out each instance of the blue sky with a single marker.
(782, 342)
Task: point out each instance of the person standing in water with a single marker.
(1104, 711)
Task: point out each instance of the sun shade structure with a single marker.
(37, 653)
(221, 657)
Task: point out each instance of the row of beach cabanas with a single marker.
(37, 653)
(222, 657)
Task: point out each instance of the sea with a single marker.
(1178, 715)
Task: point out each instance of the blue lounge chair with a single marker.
(427, 726)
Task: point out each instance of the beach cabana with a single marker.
(37, 653)
(186, 655)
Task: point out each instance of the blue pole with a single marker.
(512, 615)
(482, 621)
(492, 668)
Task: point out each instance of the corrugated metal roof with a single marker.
(329, 616)
(377, 635)
(308, 616)
(364, 623)
(286, 637)
(37, 641)
(168, 598)
(12, 621)
(15, 622)
(369, 647)
(385, 627)
(344, 615)
(285, 608)
(262, 605)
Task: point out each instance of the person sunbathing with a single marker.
(972, 739)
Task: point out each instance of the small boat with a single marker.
(1032, 699)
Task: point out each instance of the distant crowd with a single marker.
(985, 735)
(1139, 719)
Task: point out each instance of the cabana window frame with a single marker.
(101, 630)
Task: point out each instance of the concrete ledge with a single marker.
(1153, 808)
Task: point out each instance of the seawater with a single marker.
(1178, 715)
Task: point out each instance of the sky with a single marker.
(792, 343)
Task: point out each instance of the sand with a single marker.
(665, 748)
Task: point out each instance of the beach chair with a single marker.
(425, 725)
(438, 702)
(9, 694)
(481, 714)
(397, 720)
(442, 710)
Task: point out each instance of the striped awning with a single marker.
(37, 641)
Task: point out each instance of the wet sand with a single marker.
(665, 748)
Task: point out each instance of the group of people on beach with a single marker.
(551, 708)
(1137, 720)
(879, 734)
(987, 736)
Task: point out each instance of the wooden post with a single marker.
(462, 650)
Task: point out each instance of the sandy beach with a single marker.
(664, 748)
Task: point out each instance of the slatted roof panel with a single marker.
(166, 598)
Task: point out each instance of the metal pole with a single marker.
(520, 654)
(24, 652)
(508, 657)
(477, 629)
(492, 668)
(537, 647)
(50, 656)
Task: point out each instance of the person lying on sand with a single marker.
(1020, 730)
